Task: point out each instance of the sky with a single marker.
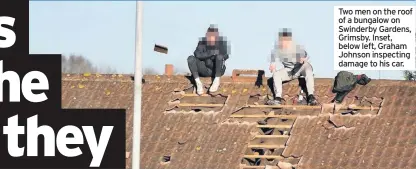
(104, 32)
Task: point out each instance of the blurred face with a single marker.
(284, 42)
(211, 37)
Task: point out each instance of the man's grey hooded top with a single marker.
(288, 58)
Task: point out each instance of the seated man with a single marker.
(289, 62)
(209, 60)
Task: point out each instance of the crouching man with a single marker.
(289, 61)
(345, 82)
(209, 60)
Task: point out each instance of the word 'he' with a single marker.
(12, 130)
(27, 85)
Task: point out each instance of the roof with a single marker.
(180, 130)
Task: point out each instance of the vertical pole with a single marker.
(137, 114)
(379, 74)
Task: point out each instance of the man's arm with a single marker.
(200, 51)
(273, 56)
(302, 54)
(224, 49)
(275, 62)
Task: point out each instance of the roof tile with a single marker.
(405, 162)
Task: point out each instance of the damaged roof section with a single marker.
(178, 136)
(353, 141)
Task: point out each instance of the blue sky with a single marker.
(104, 31)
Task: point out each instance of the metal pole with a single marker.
(379, 74)
(137, 88)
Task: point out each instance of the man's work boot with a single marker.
(215, 85)
(312, 101)
(276, 101)
(199, 87)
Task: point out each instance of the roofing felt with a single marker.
(232, 129)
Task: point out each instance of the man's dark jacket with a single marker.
(345, 82)
(207, 53)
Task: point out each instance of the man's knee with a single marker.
(277, 75)
(219, 57)
(191, 59)
(308, 66)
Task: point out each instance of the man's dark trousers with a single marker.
(213, 66)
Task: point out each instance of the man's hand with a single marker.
(302, 60)
(272, 67)
(215, 52)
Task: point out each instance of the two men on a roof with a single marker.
(288, 62)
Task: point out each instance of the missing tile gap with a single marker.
(338, 127)
(171, 109)
(179, 92)
(258, 96)
(256, 161)
(262, 122)
(333, 123)
(268, 131)
(189, 87)
(165, 159)
(174, 101)
(239, 109)
(352, 112)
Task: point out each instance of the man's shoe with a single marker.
(276, 101)
(215, 85)
(302, 101)
(312, 101)
(199, 88)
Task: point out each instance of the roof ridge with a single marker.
(187, 79)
